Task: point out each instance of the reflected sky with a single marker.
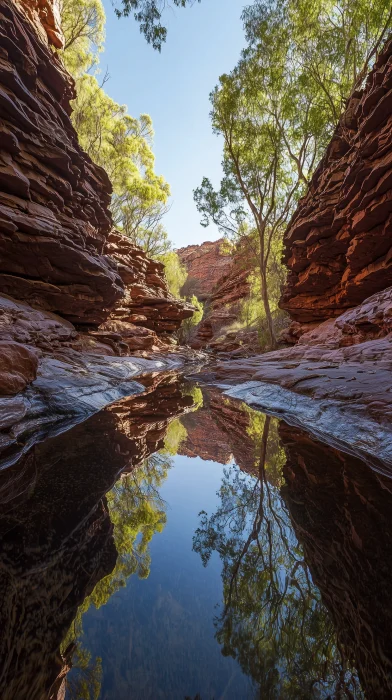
(182, 545)
(156, 637)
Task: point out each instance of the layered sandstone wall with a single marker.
(220, 280)
(206, 264)
(58, 252)
(338, 246)
(53, 199)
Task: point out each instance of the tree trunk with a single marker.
(267, 309)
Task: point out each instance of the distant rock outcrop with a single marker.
(220, 280)
(206, 264)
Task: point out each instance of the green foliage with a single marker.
(332, 44)
(197, 396)
(188, 326)
(176, 434)
(175, 273)
(277, 109)
(83, 24)
(137, 513)
(122, 145)
(148, 13)
(86, 683)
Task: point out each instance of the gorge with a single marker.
(200, 520)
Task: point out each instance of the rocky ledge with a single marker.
(336, 382)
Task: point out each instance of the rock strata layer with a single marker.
(69, 284)
(206, 264)
(338, 245)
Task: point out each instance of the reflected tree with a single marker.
(272, 620)
(137, 512)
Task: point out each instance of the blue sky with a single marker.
(203, 42)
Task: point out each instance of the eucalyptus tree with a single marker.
(332, 43)
(148, 14)
(261, 182)
(83, 25)
(278, 108)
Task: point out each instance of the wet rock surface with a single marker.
(336, 382)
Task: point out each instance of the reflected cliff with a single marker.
(180, 544)
(64, 544)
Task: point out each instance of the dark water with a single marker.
(181, 545)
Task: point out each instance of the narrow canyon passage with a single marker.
(180, 544)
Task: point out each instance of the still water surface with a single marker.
(180, 545)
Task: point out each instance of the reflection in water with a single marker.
(137, 512)
(273, 620)
(56, 536)
(286, 593)
(342, 513)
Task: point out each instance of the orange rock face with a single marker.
(205, 264)
(46, 16)
(224, 307)
(218, 279)
(147, 310)
(338, 246)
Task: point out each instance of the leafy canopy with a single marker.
(83, 24)
(277, 109)
(148, 13)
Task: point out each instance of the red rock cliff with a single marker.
(205, 264)
(218, 279)
(58, 253)
(53, 199)
(338, 246)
